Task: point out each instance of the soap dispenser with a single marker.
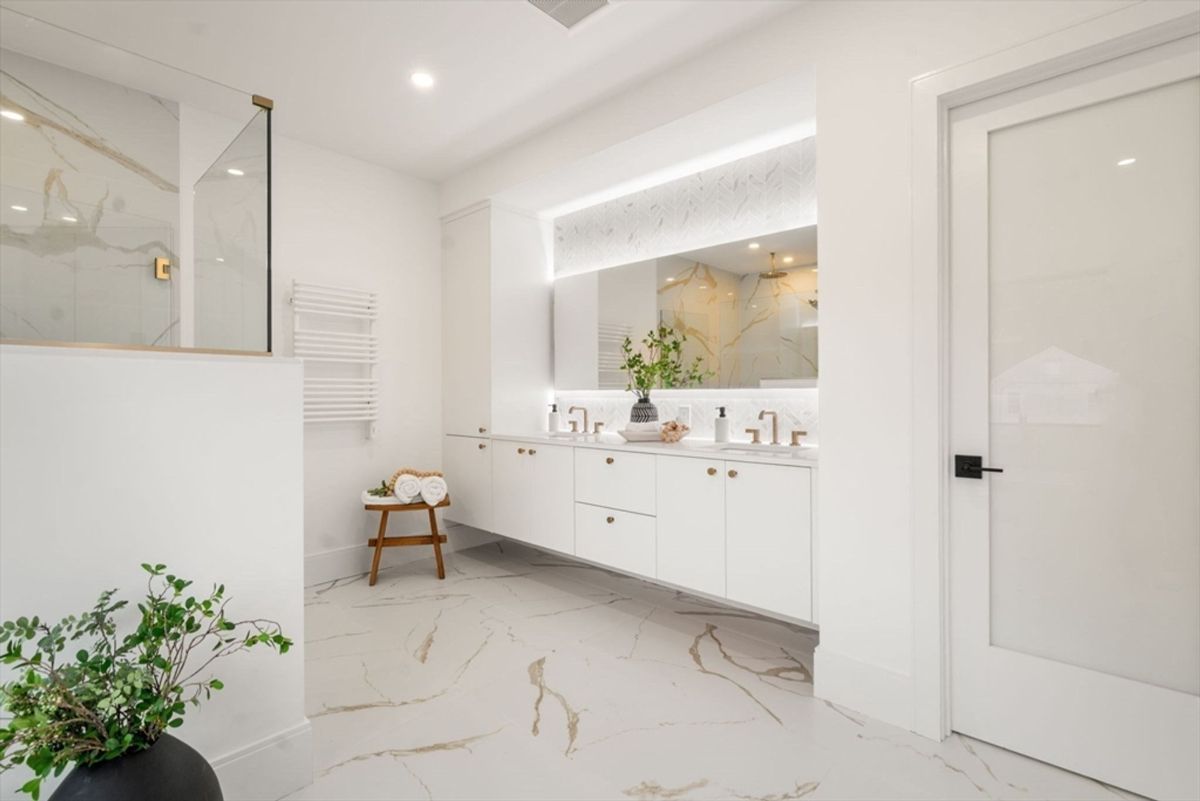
(721, 426)
(555, 421)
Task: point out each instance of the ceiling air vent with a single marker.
(569, 13)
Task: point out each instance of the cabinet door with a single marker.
(549, 495)
(768, 537)
(468, 467)
(466, 324)
(511, 489)
(691, 523)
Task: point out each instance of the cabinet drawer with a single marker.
(613, 537)
(615, 479)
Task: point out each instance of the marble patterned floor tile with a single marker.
(524, 675)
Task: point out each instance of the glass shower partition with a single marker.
(134, 199)
(232, 244)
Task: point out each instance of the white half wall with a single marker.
(113, 458)
(863, 56)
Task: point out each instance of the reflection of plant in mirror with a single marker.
(661, 366)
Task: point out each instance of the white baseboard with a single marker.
(270, 768)
(354, 560)
(874, 691)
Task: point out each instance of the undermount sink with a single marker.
(778, 451)
(569, 435)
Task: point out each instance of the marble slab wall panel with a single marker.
(797, 409)
(770, 191)
(89, 197)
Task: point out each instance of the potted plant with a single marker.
(660, 366)
(107, 709)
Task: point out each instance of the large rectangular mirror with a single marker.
(748, 310)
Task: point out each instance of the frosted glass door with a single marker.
(1075, 349)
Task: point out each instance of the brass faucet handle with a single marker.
(754, 434)
(574, 426)
(796, 435)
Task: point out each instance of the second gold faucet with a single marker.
(774, 424)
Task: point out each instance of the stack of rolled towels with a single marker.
(411, 486)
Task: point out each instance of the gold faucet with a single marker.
(774, 424)
(753, 432)
(583, 409)
(797, 433)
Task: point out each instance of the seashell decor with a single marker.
(673, 431)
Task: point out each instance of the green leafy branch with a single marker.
(119, 694)
(661, 364)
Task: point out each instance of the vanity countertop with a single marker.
(805, 456)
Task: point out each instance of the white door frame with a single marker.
(1119, 33)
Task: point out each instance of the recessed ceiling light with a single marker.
(422, 80)
(15, 116)
(1125, 162)
(236, 172)
(754, 246)
(220, 260)
(670, 278)
(788, 259)
(18, 208)
(69, 219)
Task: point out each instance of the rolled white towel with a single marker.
(433, 490)
(408, 488)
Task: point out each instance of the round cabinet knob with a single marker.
(482, 446)
(610, 519)
(609, 460)
(733, 474)
(482, 430)
(712, 471)
(520, 450)
(532, 451)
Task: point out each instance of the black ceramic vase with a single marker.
(643, 412)
(169, 769)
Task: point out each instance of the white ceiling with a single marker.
(799, 244)
(339, 70)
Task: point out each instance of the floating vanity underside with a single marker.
(729, 525)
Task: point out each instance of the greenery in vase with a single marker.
(119, 693)
(661, 364)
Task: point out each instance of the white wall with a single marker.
(109, 459)
(864, 55)
(337, 220)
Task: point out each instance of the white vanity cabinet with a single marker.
(768, 537)
(533, 494)
(738, 530)
(468, 463)
(691, 523)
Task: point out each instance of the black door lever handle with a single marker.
(972, 467)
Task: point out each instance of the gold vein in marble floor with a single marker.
(528, 676)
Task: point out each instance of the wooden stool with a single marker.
(382, 541)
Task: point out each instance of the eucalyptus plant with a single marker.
(119, 693)
(661, 364)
